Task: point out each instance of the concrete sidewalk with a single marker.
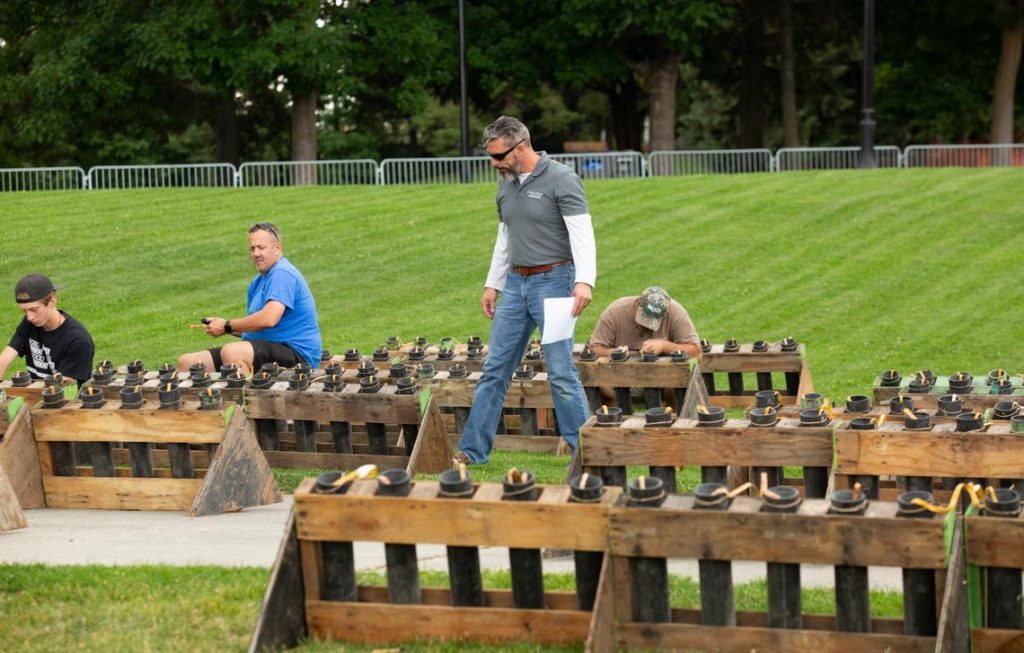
(251, 538)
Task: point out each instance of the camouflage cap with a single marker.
(652, 307)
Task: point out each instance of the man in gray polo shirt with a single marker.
(545, 248)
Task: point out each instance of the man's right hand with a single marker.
(488, 301)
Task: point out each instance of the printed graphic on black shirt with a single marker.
(41, 361)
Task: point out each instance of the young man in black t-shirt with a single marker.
(49, 339)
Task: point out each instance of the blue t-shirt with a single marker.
(298, 327)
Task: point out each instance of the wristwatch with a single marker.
(227, 326)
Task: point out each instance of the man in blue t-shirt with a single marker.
(281, 324)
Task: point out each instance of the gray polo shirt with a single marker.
(532, 213)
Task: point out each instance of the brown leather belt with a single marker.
(537, 269)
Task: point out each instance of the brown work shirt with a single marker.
(617, 326)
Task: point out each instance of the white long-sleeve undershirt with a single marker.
(581, 242)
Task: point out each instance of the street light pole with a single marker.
(464, 106)
(867, 121)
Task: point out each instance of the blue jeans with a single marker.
(520, 310)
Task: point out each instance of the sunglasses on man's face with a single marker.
(500, 156)
(268, 227)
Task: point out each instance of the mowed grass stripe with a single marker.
(903, 268)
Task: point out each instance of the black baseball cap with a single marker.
(33, 287)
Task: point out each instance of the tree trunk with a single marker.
(1006, 72)
(304, 137)
(627, 121)
(662, 77)
(226, 132)
(752, 80)
(790, 123)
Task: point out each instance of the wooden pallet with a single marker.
(747, 363)
(810, 536)
(736, 443)
(992, 453)
(431, 454)
(993, 542)
(294, 606)
(533, 394)
(979, 397)
(236, 476)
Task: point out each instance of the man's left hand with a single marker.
(657, 346)
(215, 327)
(582, 293)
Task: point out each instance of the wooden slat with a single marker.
(239, 475)
(746, 360)
(282, 619)
(458, 393)
(687, 444)
(932, 453)
(375, 623)
(161, 459)
(19, 457)
(995, 541)
(954, 623)
(601, 636)
(443, 596)
(996, 640)
(457, 522)
(149, 424)
(304, 460)
(505, 442)
(384, 407)
(746, 618)
(878, 538)
(662, 373)
(744, 640)
(120, 493)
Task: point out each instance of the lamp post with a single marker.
(464, 103)
(867, 121)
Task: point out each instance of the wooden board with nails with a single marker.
(348, 405)
(992, 453)
(686, 443)
(426, 517)
(810, 536)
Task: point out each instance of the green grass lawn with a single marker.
(904, 268)
(159, 608)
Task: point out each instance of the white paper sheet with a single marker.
(558, 320)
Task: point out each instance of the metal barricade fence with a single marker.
(308, 173)
(604, 165)
(442, 170)
(833, 158)
(161, 176)
(963, 156)
(709, 162)
(450, 170)
(61, 178)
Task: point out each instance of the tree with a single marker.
(1010, 16)
(790, 120)
(653, 37)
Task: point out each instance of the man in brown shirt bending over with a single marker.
(652, 321)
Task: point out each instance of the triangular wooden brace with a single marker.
(11, 516)
(239, 475)
(432, 453)
(696, 394)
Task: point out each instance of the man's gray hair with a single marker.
(509, 129)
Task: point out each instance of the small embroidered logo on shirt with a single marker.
(534, 194)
